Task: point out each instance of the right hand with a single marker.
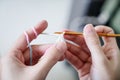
(91, 60)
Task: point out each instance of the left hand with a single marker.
(15, 65)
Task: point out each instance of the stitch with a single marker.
(61, 37)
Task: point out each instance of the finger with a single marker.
(110, 44)
(93, 43)
(75, 38)
(21, 43)
(79, 40)
(78, 52)
(85, 69)
(107, 40)
(50, 58)
(74, 60)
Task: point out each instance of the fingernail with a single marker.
(89, 29)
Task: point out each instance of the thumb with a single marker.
(50, 58)
(93, 43)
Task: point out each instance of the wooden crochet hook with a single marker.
(80, 33)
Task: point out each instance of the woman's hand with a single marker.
(16, 64)
(91, 60)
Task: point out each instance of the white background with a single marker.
(19, 15)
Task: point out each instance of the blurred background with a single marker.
(19, 15)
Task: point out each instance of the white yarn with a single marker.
(61, 38)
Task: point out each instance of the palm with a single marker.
(82, 60)
(85, 72)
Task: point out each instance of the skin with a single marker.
(15, 65)
(91, 60)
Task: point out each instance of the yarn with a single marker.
(28, 42)
(60, 38)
